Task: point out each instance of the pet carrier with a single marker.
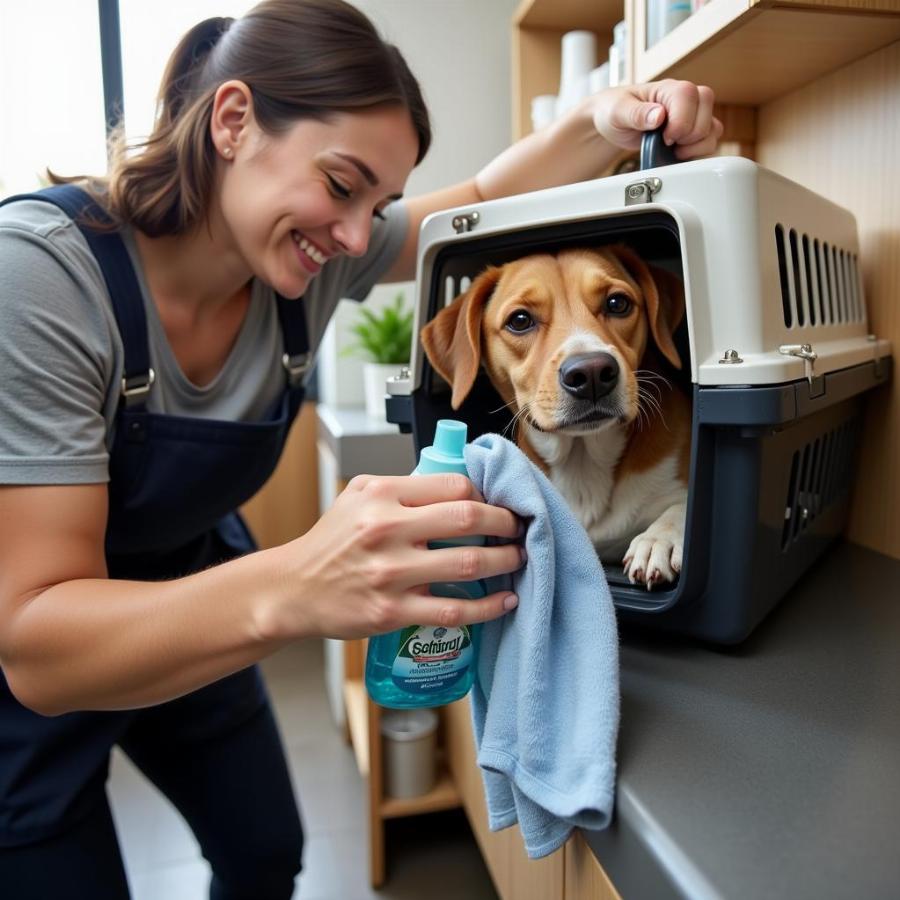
(780, 356)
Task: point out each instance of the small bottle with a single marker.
(618, 54)
(664, 16)
(430, 665)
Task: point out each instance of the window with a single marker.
(51, 82)
(147, 40)
(51, 92)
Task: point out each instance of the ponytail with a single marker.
(301, 59)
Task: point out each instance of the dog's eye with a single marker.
(618, 305)
(519, 322)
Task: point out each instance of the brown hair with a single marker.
(301, 59)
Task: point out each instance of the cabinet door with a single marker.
(288, 504)
(585, 878)
(515, 876)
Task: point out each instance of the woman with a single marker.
(152, 347)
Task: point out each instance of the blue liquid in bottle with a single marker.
(430, 665)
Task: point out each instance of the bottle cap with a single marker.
(450, 437)
(446, 454)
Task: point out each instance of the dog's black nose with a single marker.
(589, 376)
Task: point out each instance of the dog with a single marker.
(576, 345)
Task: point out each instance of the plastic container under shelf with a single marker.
(410, 751)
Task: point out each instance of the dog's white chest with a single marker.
(611, 509)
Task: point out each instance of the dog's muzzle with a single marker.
(589, 376)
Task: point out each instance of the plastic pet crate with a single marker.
(780, 359)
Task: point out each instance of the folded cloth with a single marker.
(545, 704)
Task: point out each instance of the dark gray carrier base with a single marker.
(770, 484)
(772, 472)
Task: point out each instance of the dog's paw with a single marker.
(654, 557)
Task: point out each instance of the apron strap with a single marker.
(124, 291)
(296, 358)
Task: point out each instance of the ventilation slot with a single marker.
(798, 300)
(454, 286)
(783, 275)
(821, 474)
(810, 282)
(449, 290)
(820, 283)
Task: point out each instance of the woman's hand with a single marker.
(623, 114)
(364, 568)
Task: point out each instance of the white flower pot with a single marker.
(374, 377)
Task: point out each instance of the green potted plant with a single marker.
(384, 339)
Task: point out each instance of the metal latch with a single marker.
(879, 361)
(465, 222)
(399, 385)
(804, 352)
(642, 191)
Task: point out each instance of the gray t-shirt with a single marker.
(61, 356)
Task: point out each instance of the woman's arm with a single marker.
(577, 147)
(72, 639)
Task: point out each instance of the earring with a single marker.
(227, 152)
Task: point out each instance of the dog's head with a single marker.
(562, 337)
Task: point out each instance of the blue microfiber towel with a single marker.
(545, 704)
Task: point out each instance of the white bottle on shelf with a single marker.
(578, 57)
(598, 80)
(663, 16)
(543, 110)
(618, 55)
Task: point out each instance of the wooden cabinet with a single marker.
(288, 503)
(585, 878)
(571, 873)
(515, 876)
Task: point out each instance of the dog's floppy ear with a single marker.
(664, 294)
(452, 339)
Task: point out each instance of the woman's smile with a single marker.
(311, 257)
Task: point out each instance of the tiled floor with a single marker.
(433, 857)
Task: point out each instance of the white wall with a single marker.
(460, 52)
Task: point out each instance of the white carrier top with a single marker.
(772, 280)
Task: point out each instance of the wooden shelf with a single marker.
(750, 53)
(567, 15)
(444, 795)
(356, 707)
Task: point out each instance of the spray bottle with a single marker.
(429, 665)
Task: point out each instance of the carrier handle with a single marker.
(654, 150)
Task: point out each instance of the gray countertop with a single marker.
(771, 769)
(362, 445)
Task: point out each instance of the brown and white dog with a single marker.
(573, 343)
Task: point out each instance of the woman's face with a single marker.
(292, 201)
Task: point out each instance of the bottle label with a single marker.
(431, 658)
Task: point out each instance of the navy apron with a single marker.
(175, 485)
